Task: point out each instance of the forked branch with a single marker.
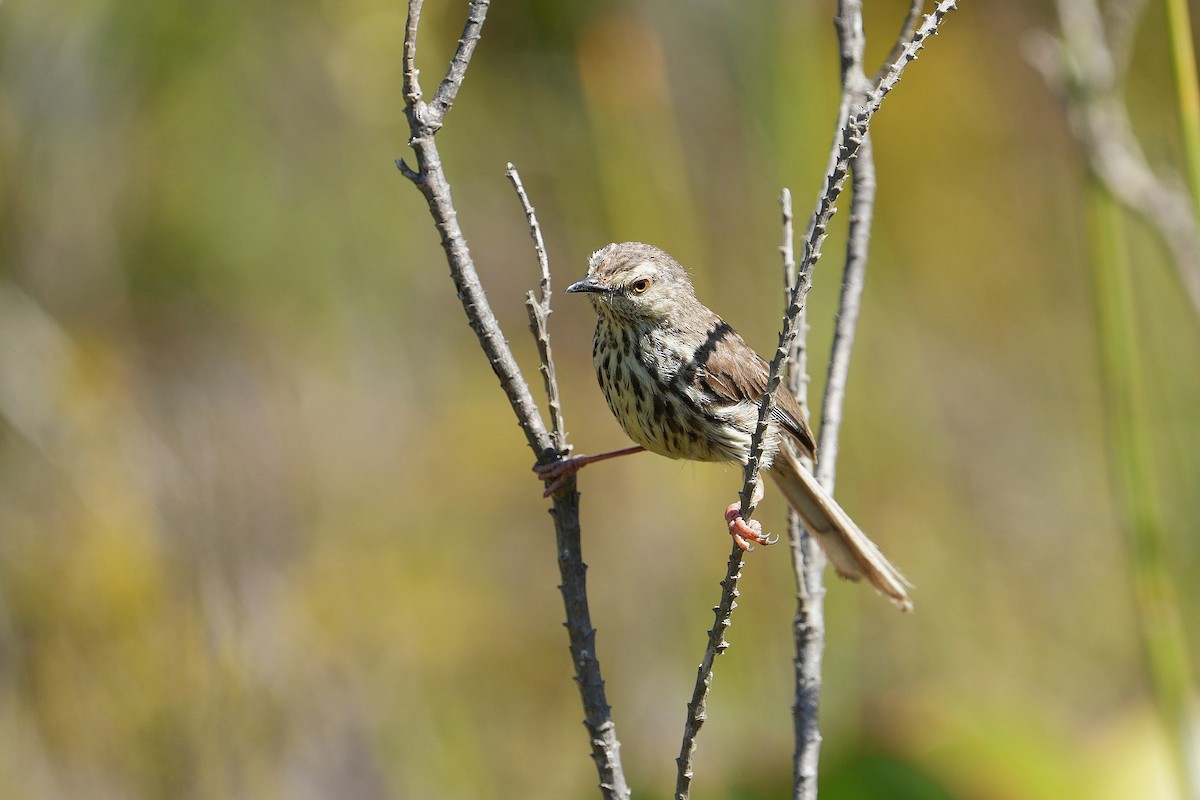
(850, 139)
(428, 175)
(538, 309)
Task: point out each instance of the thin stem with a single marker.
(850, 138)
(908, 54)
(697, 709)
(1163, 639)
(1187, 89)
(808, 630)
(808, 560)
(412, 85)
(539, 313)
(443, 98)
(907, 29)
(1086, 67)
(797, 372)
(850, 305)
(854, 87)
(430, 178)
(808, 626)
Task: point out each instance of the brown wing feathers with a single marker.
(734, 372)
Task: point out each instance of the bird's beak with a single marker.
(587, 285)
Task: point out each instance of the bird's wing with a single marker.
(732, 371)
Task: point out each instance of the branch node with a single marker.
(408, 171)
(424, 120)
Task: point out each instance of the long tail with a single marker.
(853, 555)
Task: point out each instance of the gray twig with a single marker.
(808, 626)
(697, 708)
(797, 373)
(539, 313)
(809, 623)
(424, 122)
(447, 90)
(849, 141)
(908, 53)
(907, 30)
(412, 85)
(853, 278)
(854, 88)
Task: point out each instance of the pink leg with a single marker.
(557, 472)
(742, 530)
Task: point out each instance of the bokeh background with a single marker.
(267, 526)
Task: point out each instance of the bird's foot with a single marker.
(744, 532)
(556, 473)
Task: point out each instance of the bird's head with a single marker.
(637, 282)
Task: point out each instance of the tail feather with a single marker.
(852, 554)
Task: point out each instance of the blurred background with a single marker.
(267, 526)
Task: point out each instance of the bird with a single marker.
(683, 384)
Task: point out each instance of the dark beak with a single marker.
(587, 285)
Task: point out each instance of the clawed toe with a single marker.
(556, 473)
(551, 471)
(744, 532)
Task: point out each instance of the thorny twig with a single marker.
(907, 30)
(850, 138)
(849, 141)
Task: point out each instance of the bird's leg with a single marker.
(741, 530)
(557, 472)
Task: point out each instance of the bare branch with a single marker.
(697, 709)
(846, 324)
(412, 85)
(539, 312)
(903, 38)
(908, 54)
(535, 232)
(808, 626)
(425, 118)
(429, 177)
(849, 141)
(808, 629)
(443, 98)
(808, 560)
(797, 373)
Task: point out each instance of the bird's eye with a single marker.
(640, 286)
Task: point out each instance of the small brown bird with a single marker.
(683, 384)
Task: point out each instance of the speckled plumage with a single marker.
(684, 384)
(678, 378)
